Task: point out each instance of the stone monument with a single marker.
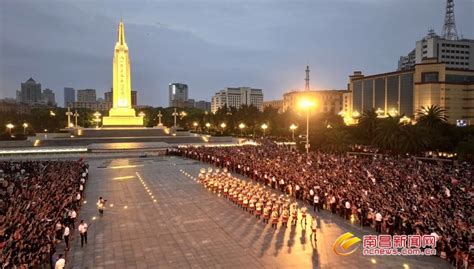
(122, 113)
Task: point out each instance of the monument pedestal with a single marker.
(122, 117)
(122, 121)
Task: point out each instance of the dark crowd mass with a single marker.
(39, 201)
(394, 195)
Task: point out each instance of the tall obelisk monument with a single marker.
(122, 113)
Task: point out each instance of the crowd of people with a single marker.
(393, 194)
(257, 200)
(39, 201)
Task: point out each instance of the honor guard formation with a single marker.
(256, 199)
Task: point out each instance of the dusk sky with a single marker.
(212, 44)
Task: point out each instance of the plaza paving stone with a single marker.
(190, 227)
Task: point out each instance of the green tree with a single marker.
(431, 116)
(368, 124)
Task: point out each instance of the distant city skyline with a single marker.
(214, 44)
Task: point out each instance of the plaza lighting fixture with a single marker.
(405, 120)
(307, 104)
(355, 114)
(241, 127)
(393, 112)
(25, 125)
(141, 114)
(264, 128)
(223, 125)
(208, 125)
(10, 127)
(293, 127)
(97, 119)
(195, 124)
(380, 113)
(51, 113)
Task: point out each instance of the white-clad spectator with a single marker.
(60, 263)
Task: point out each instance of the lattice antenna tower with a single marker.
(449, 28)
(306, 87)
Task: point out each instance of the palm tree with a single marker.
(368, 123)
(431, 116)
(387, 133)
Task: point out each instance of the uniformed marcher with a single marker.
(303, 215)
(266, 214)
(285, 217)
(275, 219)
(258, 209)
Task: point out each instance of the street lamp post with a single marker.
(223, 125)
(10, 127)
(208, 125)
(195, 124)
(25, 125)
(97, 118)
(307, 104)
(241, 127)
(293, 127)
(264, 128)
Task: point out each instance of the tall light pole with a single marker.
(264, 128)
(208, 125)
(293, 127)
(195, 124)
(97, 118)
(241, 127)
(25, 125)
(307, 104)
(10, 127)
(223, 125)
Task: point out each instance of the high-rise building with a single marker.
(457, 54)
(109, 97)
(405, 92)
(178, 94)
(327, 101)
(69, 96)
(48, 97)
(407, 62)
(30, 92)
(448, 48)
(275, 104)
(236, 97)
(86, 95)
(204, 105)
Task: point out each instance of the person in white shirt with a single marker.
(316, 203)
(72, 218)
(378, 222)
(66, 236)
(61, 263)
(297, 191)
(348, 209)
(78, 199)
(314, 227)
(83, 231)
(59, 229)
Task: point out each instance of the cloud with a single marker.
(211, 44)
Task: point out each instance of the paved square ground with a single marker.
(157, 217)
